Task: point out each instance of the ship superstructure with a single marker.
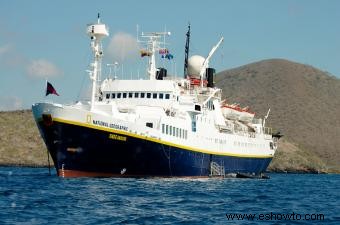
(163, 126)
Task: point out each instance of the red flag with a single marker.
(50, 89)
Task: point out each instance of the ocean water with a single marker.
(31, 196)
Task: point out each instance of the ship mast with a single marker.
(153, 45)
(152, 59)
(96, 32)
(187, 43)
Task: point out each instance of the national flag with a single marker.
(169, 56)
(50, 89)
(163, 51)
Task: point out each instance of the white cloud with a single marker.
(10, 103)
(42, 68)
(5, 49)
(122, 47)
(38, 68)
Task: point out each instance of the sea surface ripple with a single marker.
(32, 196)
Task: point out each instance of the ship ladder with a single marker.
(216, 170)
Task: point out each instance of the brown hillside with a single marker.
(304, 103)
(20, 141)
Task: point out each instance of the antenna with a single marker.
(137, 29)
(186, 52)
(265, 118)
(153, 44)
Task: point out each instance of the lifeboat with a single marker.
(235, 112)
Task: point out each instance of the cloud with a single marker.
(5, 49)
(35, 68)
(10, 103)
(122, 47)
(42, 68)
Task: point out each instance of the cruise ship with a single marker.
(163, 126)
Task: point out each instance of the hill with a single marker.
(304, 103)
(20, 140)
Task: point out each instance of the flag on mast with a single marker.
(50, 89)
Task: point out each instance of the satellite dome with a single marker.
(195, 64)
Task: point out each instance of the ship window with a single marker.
(154, 95)
(177, 132)
(148, 95)
(130, 95)
(163, 128)
(161, 95)
(107, 96)
(173, 131)
(142, 95)
(124, 95)
(167, 129)
(148, 124)
(180, 133)
(193, 126)
(113, 95)
(167, 96)
(136, 95)
(197, 107)
(185, 134)
(119, 95)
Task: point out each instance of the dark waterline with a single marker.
(31, 196)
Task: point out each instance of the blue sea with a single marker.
(32, 196)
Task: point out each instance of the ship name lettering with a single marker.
(100, 123)
(117, 137)
(111, 125)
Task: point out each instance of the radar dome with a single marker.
(195, 64)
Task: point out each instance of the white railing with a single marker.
(267, 130)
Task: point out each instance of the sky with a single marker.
(46, 40)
